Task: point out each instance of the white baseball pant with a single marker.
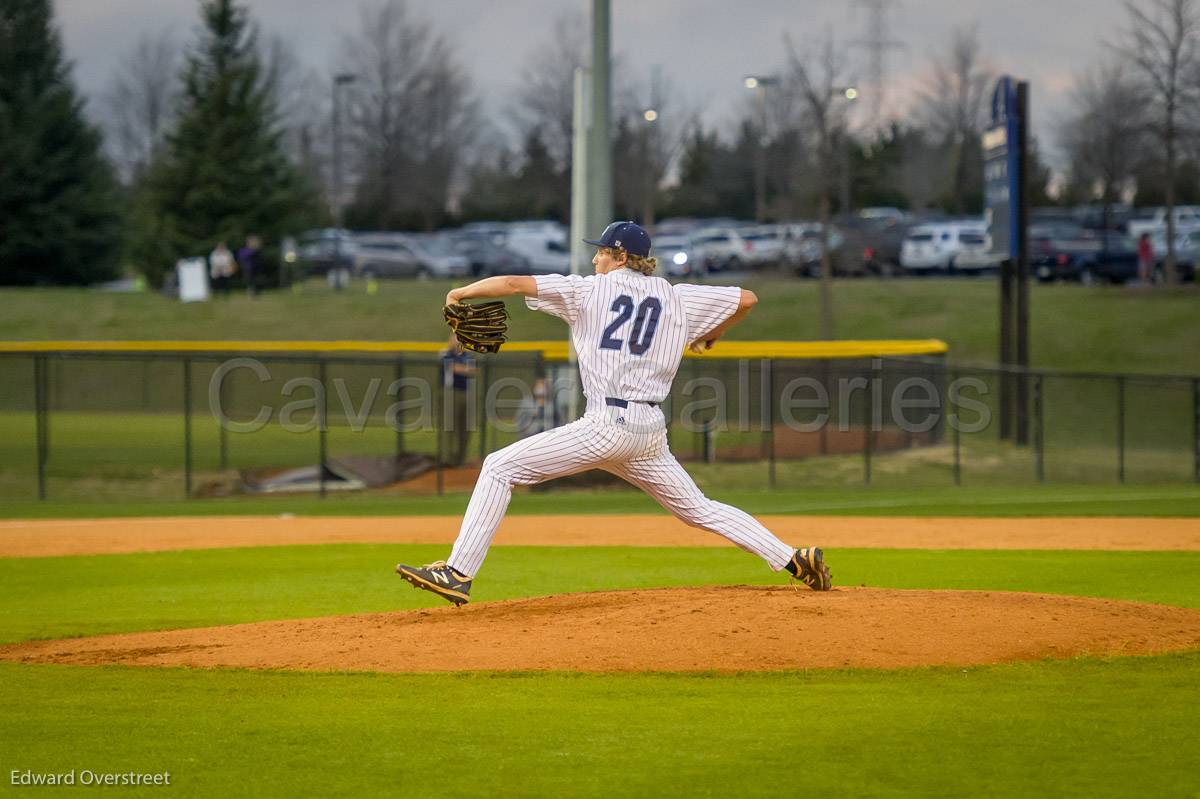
(635, 449)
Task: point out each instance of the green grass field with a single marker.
(1105, 328)
(1093, 727)
(1088, 727)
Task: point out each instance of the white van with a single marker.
(936, 246)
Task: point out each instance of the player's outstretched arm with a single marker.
(746, 301)
(498, 286)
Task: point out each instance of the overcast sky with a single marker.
(704, 47)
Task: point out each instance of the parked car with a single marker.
(1082, 255)
(487, 254)
(396, 255)
(1187, 251)
(543, 250)
(1186, 216)
(767, 244)
(721, 249)
(977, 261)
(873, 238)
(319, 251)
(933, 247)
(674, 255)
(802, 248)
(888, 213)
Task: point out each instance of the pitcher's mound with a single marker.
(677, 629)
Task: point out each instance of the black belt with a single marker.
(620, 403)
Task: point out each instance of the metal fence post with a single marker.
(1121, 429)
(322, 413)
(1196, 429)
(40, 411)
(868, 426)
(954, 426)
(222, 432)
(824, 431)
(1039, 429)
(769, 390)
(439, 432)
(187, 428)
(397, 376)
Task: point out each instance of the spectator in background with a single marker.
(1145, 256)
(221, 267)
(250, 260)
(458, 368)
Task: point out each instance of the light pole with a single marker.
(648, 179)
(340, 80)
(850, 94)
(759, 84)
(827, 155)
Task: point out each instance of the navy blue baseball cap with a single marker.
(629, 237)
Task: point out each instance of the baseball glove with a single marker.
(479, 328)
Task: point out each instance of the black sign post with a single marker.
(1005, 145)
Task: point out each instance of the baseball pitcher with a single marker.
(629, 330)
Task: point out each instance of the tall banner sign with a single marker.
(1001, 170)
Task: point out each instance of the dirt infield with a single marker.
(47, 538)
(732, 628)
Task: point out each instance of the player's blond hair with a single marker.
(644, 264)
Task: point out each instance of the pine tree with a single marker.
(223, 174)
(59, 201)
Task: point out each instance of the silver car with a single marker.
(396, 255)
(675, 256)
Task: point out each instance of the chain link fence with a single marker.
(149, 425)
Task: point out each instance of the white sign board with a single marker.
(193, 279)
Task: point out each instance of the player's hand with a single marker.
(452, 297)
(700, 345)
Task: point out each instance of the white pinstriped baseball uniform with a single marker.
(629, 331)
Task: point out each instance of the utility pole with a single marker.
(580, 140)
(759, 85)
(343, 79)
(600, 202)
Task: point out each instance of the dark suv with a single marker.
(1072, 252)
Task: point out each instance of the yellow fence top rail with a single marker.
(551, 350)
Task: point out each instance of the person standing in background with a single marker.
(221, 268)
(1145, 256)
(250, 259)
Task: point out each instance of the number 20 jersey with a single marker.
(630, 330)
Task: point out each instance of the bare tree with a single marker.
(546, 99)
(953, 103)
(140, 102)
(659, 121)
(300, 109)
(411, 114)
(1103, 135)
(1162, 42)
(819, 78)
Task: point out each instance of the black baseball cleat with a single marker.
(808, 566)
(438, 578)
